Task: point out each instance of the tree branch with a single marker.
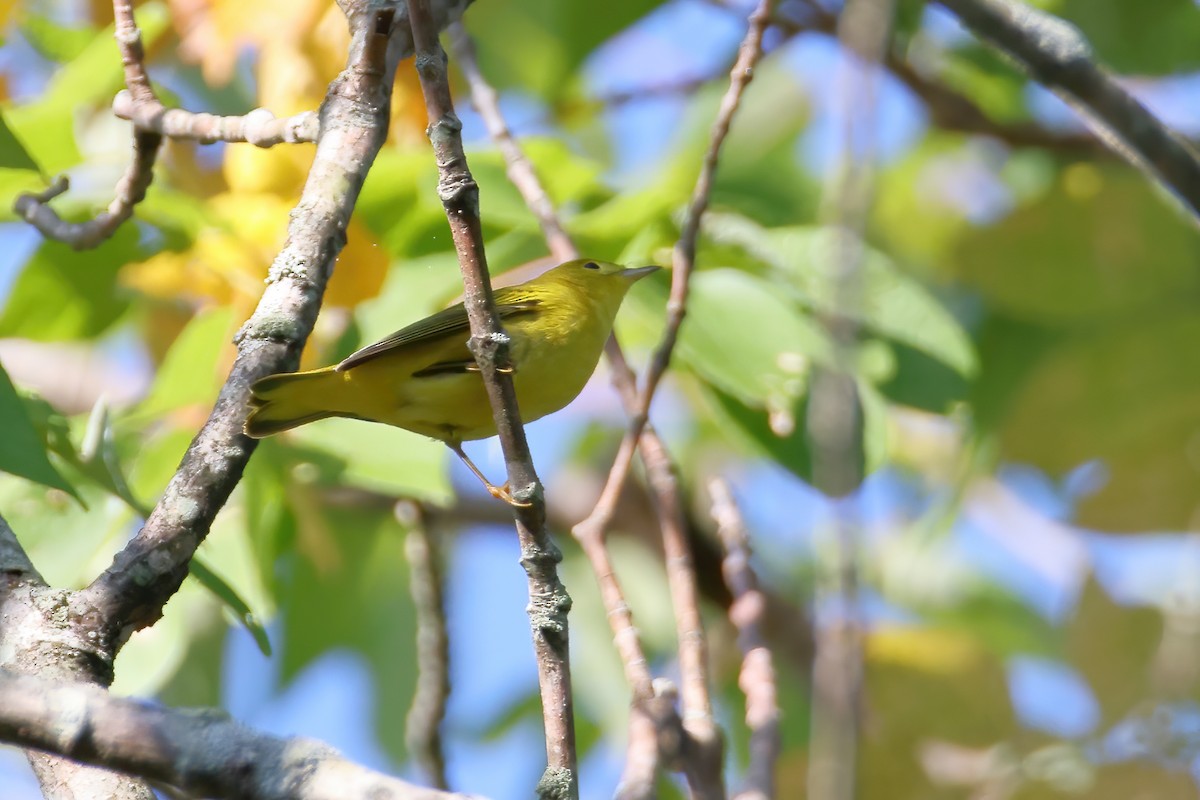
(258, 127)
(948, 108)
(202, 753)
(354, 117)
(1055, 54)
(548, 598)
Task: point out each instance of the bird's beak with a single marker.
(639, 272)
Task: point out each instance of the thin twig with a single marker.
(131, 188)
(747, 613)
(640, 773)
(87, 724)
(1055, 54)
(520, 171)
(549, 601)
(683, 259)
(258, 127)
(423, 724)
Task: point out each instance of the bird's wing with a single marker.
(443, 323)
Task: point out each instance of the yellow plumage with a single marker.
(424, 379)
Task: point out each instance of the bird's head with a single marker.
(592, 275)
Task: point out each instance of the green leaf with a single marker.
(351, 572)
(1128, 397)
(381, 458)
(22, 448)
(1153, 37)
(782, 435)
(64, 294)
(47, 126)
(233, 601)
(1102, 243)
(891, 303)
(13, 155)
(19, 173)
(556, 38)
(97, 456)
(54, 41)
(189, 372)
(744, 338)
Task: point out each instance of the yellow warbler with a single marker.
(423, 377)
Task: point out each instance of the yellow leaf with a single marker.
(926, 649)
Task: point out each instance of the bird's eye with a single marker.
(591, 265)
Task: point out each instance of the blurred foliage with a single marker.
(1016, 306)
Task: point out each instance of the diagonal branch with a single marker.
(205, 754)
(130, 594)
(1055, 54)
(683, 260)
(548, 598)
(948, 108)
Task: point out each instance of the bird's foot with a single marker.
(505, 494)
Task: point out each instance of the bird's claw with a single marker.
(505, 494)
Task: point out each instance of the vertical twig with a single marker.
(834, 417)
(549, 601)
(423, 725)
(520, 171)
(757, 678)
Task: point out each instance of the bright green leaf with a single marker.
(22, 449)
(744, 338)
(189, 372)
(889, 302)
(65, 294)
(233, 601)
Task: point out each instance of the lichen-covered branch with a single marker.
(548, 598)
(1055, 54)
(354, 118)
(202, 753)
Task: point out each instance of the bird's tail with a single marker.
(282, 402)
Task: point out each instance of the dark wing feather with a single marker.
(443, 323)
